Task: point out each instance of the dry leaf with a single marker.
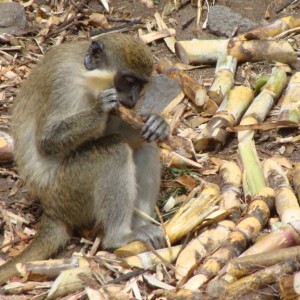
(187, 181)
(283, 161)
(98, 20)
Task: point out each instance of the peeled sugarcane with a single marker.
(253, 176)
(224, 78)
(290, 105)
(214, 134)
(208, 51)
(286, 202)
(248, 264)
(282, 236)
(207, 241)
(259, 279)
(238, 240)
(202, 201)
(211, 239)
(148, 259)
(262, 104)
(190, 87)
(231, 182)
(271, 30)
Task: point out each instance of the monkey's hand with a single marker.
(108, 100)
(155, 128)
(151, 235)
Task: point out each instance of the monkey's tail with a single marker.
(52, 235)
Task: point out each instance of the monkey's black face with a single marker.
(129, 85)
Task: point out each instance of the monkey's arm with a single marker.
(66, 134)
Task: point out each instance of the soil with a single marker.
(13, 196)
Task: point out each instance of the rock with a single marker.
(160, 91)
(12, 18)
(222, 21)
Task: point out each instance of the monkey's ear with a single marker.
(93, 55)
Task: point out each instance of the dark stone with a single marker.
(222, 21)
(160, 91)
(12, 18)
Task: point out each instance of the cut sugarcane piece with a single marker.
(208, 51)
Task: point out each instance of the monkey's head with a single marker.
(128, 57)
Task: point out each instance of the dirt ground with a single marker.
(13, 196)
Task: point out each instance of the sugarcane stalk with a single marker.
(256, 113)
(262, 104)
(272, 29)
(290, 105)
(137, 122)
(248, 264)
(262, 278)
(208, 51)
(238, 240)
(190, 87)
(224, 78)
(230, 111)
(207, 242)
(231, 182)
(189, 216)
(253, 177)
(286, 202)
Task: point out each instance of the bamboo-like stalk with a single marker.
(190, 87)
(253, 175)
(286, 203)
(290, 105)
(231, 182)
(248, 264)
(207, 241)
(50, 268)
(283, 236)
(224, 78)
(137, 122)
(272, 29)
(208, 51)
(190, 214)
(261, 278)
(238, 240)
(148, 259)
(262, 104)
(228, 114)
(253, 178)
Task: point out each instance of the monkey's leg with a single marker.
(118, 187)
(51, 236)
(148, 173)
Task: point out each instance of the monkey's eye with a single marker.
(130, 79)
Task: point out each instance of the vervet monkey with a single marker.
(88, 168)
